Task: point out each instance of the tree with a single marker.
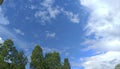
(117, 66)
(3, 65)
(53, 61)
(4, 54)
(66, 64)
(10, 58)
(20, 61)
(37, 61)
(1, 1)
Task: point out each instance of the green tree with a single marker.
(3, 64)
(10, 57)
(117, 66)
(20, 61)
(6, 52)
(53, 61)
(37, 60)
(66, 64)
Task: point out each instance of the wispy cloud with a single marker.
(50, 34)
(104, 23)
(73, 17)
(50, 11)
(103, 26)
(7, 33)
(18, 31)
(103, 61)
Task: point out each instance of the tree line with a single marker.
(11, 58)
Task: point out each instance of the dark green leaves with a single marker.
(66, 64)
(37, 61)
(10, 58)
(51, 60)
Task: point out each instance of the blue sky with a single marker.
(73, 28)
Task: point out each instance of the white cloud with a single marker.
(50, 34)
(5, 32)
(47, 3)
(32, 7)
(103, 26)
(104, 23)
(1, 40)
(49, 12)
(73, 17)
(18, 31)
(103, 61)
(3, 19)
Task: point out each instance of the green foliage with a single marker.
(53, 60)
(10, 58)
(117, 66)
(20, 60)
(66, 64)
(37, 61)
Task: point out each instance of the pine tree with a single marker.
(37, 61)
(66, 64)
(53, 60)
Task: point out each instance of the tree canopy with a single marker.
(51, 60)
(11, 58)
(37, 61)
(66, 64)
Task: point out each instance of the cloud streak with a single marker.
(50, 34)
(103, 26)
(47, 12)
(71, 16)
(6, 33)
(18, 31)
